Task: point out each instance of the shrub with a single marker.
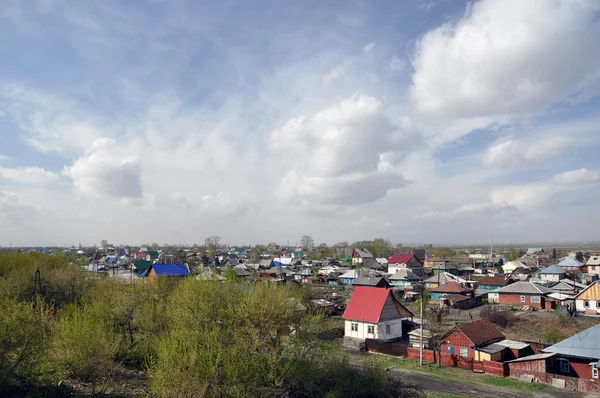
(498, 317)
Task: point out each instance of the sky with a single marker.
(168, 121)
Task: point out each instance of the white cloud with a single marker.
(578, 177)
(514, 152)
(506, 57)
(4, 158)
(367, 49)
(335, 155)
(28, 175)
(106, 171)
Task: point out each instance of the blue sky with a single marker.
(417, 121)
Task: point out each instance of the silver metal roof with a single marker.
(583, 345)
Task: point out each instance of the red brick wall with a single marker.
(515, 299)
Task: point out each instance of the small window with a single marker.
(586, 304)
(371, 329)
(388, 329)
(534, 299)
(464, 352)
(597, 304)
(594, 372)
(522, 299)
(354, 327)
(565, 366)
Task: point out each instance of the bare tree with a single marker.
(341, 249)
(212, 244)
(307, 243)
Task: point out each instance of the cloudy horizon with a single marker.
(417, 121)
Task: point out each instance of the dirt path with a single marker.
(424, 381)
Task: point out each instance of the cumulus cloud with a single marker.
(106, 171)
(28, 175)
(578, 177)
(4, 158)
(336, 154)
(514, 152)
(506, 57)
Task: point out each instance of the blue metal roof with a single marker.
(179, 269)
(111, 260)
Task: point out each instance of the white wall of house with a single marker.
(593, 269)
(380, 330)
(393, 268)
(493, 298)
(362, 331)
(551, 277)
(580, 305)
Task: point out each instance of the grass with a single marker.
(435, 394)
(451, 373)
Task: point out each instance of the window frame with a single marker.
(594, 372)
(371, 329)
(388, 329)
(565, 365)
(354, 326)
(535, 299)
(586, 304)
(464, 350)
(522, 299)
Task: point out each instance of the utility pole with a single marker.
(421, 336)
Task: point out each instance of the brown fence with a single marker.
(395, 349)
(491, 367)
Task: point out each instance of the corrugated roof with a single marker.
(451, 287)
(367, 302)
(552, 270)
(363, 253)
(533, 250)
(492, 348)
(404, 274)
(583, 345)
(455, 297)
(444, 277)
(593, 260)
(513, 345)
(479, 332)
(400, 258)
(179, 269)
(493, 281)
(569, 262)
(366, 281)
(523, 288)
(535, 357)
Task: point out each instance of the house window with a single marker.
(388, 329)
(594, 372)
(464, 352)
(565, 366)
(534, 299)
(586, 304)
(371, 329)
(597, 304)
(354, 327)
(522, 299)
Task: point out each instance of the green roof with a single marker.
(142, 264)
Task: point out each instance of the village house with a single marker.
(360, 256)
(489, 283)
(414, 338)
(524, 294)
(403, 278)
(450, 288)
(577, 356)
(374, 313)
(468, 339)
(553, 273)
(569, 264)
(588, 300)
(410, 261)
(178, 270)
(593, 265)
(442, 278)
(511, 266)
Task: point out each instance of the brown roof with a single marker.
(480, 332)
(493, 281)
(451, 287)
(455, 298)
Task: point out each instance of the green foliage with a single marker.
(83, 346)
(553, 336)
(514, 254)
(21, 338)
(230, 275)
(443, 252)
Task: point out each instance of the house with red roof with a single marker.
(374, 313)
(410, 261)
(450, 288)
